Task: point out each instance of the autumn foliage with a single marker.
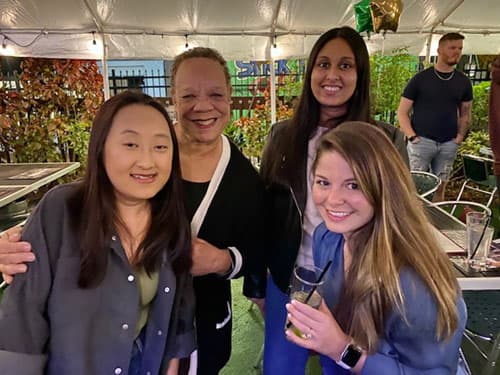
(48, 117)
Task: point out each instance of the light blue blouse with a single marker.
(405, 348)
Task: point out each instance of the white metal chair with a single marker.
(426, 183)
(478, 177)
(481, 342)
(451, 207)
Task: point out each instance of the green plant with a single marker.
(389, 76)
(479, 120)
(252, 130)
(290, 88)
(49, 119)
(471, 145)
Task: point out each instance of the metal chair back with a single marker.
(466, 206)
(426, 183)
(478, 177)
(481, 342)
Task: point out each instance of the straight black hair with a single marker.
(94, 210)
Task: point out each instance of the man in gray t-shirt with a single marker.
(441, 99)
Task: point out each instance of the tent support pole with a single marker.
(272, 44)
(105, 67)
(272, 76)
(273, 90)
(428, 49)
(98, 23)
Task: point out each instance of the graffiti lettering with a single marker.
(247, 69)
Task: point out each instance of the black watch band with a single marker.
(412, 138)
(350, 356)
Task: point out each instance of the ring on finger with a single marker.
(308, 335)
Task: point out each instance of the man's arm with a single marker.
(464, 115)
(403, 114)
(14, 254)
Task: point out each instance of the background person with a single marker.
(393, 305)
(224, 199)
(336, 88)
(441, 100)
(110, 291)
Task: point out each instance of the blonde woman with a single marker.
(391, 303)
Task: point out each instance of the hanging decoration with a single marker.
(363, 16)
(385, 14)
(377, 15)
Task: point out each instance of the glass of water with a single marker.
(479, 236)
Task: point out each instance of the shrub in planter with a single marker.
(389, 75)
(251, 132)
(479, 120)
(49, 118)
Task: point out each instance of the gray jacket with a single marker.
(50, 325)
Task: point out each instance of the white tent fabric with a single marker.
(160, 29)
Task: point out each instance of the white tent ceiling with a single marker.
(238, 29)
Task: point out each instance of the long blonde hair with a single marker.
(398, 236)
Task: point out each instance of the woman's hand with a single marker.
(173, 367)
(320, 330)
(209, 259)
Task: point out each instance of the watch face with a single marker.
(351, 356)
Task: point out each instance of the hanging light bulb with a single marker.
(187, 44)
(274, 42)
(93, 38)
(4, 42)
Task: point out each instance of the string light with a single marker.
(274, 42)
(187, 44)
(93, 38)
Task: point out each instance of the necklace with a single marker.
(441, 77)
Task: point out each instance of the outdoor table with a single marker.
(447, 225)
(19, 179)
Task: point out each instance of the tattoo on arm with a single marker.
(464, 116)
(465, 108)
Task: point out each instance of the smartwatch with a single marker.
(350, 356)
(412, 138)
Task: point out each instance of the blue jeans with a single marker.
(436, 156)
(280, 355)
(137, 354)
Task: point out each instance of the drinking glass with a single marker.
(305, 282)
(478, 229)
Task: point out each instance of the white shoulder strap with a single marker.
(202, 209)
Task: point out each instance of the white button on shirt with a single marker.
(113, 238)
(167, 289)
(130, 278)
(125, 326)
(160, 333)
(118, 371)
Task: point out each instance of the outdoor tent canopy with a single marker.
(160, 29)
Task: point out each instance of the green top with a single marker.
(147, 291)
